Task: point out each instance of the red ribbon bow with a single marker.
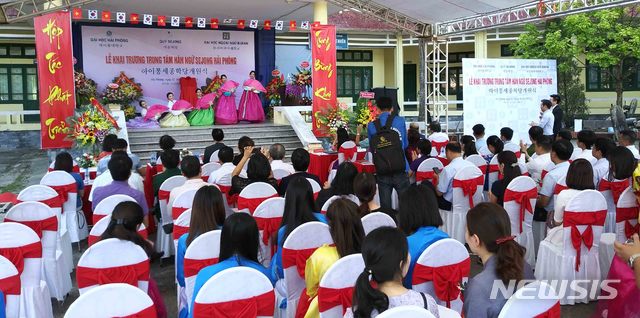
(128, 274)
(252, 203)
(553, 312)
(425, 175)
(523, 199)
(297, 258)
(574, 219)
(17, 254)
(332, 297)
(64, 190)
(630, 229)
(231, 198)
(268, 227)
(163, 195)
(149, 312)
(469, 187)
(559, 188)
(348, 152)
(445, 278)
(179, 230)
(193, 266)
(176, 211)
(53, 202)
(616, 187)
(10, 285)
(48, 224)
(439, 145)
(261, 305)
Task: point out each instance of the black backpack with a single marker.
(388, 155)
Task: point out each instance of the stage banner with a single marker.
(56, 85)
(158, 58)
(506, 93)
(324, 70)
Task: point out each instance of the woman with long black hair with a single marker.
(509, 168)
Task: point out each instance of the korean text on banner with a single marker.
(55, 77)
(324, 71)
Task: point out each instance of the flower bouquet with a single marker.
(366, 111)
(123, 90)
(332, 118)
(212, 85)
(89, 126)
(85, 87)
(129, 112)
(273, 90)
(302, 77)
(86, 161)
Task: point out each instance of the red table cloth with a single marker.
(321, 162)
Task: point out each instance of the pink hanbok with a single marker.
(626, 301)
(250, 104)
(226, 113)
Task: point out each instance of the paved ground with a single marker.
(23, 168)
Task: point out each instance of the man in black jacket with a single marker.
(557, 112)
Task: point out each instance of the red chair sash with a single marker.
(616, 187)
(193, 266)
(439, 145)
(179, 230)
(252, 203)
(446, 279)
(17, 254)
(542, 175)
(64, 190)
(444, 161)
(261, 305)
(163, 195)
(494, 168)
(424, 175)
(630, 229)
(625, 214)
(176, 211)
(231, 198)
(331, 297)
(559, 188)
(10, 285)
(205, 178)
(469, 187)
(297, 258)
(93, 239)
(523, 199)
(97, 217)
(128, 274)
(53, 202)
(553, 312)
(48, 224)
(144, 233)
(268, 227)
(573, 220)
(149, 312)
(348, 152)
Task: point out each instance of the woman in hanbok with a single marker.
(226, 113)
(175, 117)
(202, 115)
(250, 104)
(142, 121)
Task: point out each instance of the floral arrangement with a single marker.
(86, 161)
(89, 127)
(85, 87)
(294, 90)
(212, 85)
(129, 112)
(185, 152)
(332, 118)
(273, 88)
(123, 90)
(306, 101)
(366, 111)
(302, 77)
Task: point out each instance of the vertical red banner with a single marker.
(324, 70)
(55, 77)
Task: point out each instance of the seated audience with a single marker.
(468, 146)
(481, 142)
(509, 169)
(444, 190)
(341, 185)
(489, 236)
(64, 162)
(300, 160)
(277, 153)
(419, 219)
(541, 159)
(222, 176)
(495, 145)
(600, 151)
(170, 159)
(107, 146)
(627, 138)
(365, 188)
(120, 145)
(239, 243)
(586, 138)
(436, 132)
(243, 143)
(347, 233)
(621, 164)
(341, 136)
(166, 142)
(413, 137)
(258, 170)
(564, 134)
(535, 133)
(218, 136)
(424, 153)
(506, 134)
(191, 170)
(379, 287)
(135, 181)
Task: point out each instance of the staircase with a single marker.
(144, 142)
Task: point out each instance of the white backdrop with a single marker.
(506, 93)
(157, 58)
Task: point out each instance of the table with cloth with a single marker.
(320, 163)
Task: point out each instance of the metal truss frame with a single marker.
(530, 12)
(17, 11)
(437, 78)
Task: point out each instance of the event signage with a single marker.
(55, 77)
(342, 41)
(509, 88)
(367, 95)
(324, 71)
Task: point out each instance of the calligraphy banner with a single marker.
(324, 70)
(55, 77)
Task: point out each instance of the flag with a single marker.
(241, 24)
(214, 23)
(77, 13)
(175, 21)
(147, 19)
(121, 17)
(135, 18)
(305, 25)
(227, 21)
(188, 22)
(253, 24)
(93, 14)
(316, 24)
(162, 20)
(267, 25)
(202, 22)
(292, 25)
(106, 16)
(279, 25)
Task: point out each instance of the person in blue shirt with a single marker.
(64, 162)
(299, 208)
(207, 214)
(239, 243)
(398, 180)
(419, 219)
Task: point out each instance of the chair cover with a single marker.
(214, 157)
(113, 261)
(112, 300)
(560, 186)
(425, 170)
(268, 215)
(545, 302)
(606, 252)
(439, 141)
(546, 170)
(65, 185)
(106, 206)
(577, 258)
(513, 147)
(627, 211)
(520, 201)
(98, 229)
(21, 245)
(493, 172)
(612, 191)
(335, 291)
(208, 168)
(202, 252)
(315, 186)
(10, 288)
(297, 248)
(439, 271)
(477, 161)
(42, 220)
(348, 152)
(445, 312)
(467, 192)
(406, 312)
(252, 195)
(246, 293)
(164, 241)
(327, 203)
(375, 220)
(182, 203)
(181, 226)
(278, 174)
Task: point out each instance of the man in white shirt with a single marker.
(222, 176)
(600, 150)
(481, 142)
(436, 132)
(135, 181)
(547, 119)
(444, 190)
(586, 138)
(190, 167)
(627, 138)
(540, 159)
(277, 152)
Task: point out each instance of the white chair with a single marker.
(315, 186)
(406, 312)
(181, 226)
(348, 152)
(515, 148)
(520, 201)
(339, 280)
(214, 157)
(268, 216)
(252, 195)
(278, 174)
(550, 166)
(106, 206)
(627, 211)
(297, 248)
(112, 300)
(202, 252)
(426, 170)
(493, 172)
(182, 203)
(65, 185)
(19, 242)
(375, 220)
(446, 264)
(477, 161)
(113, 261)
(606, 252)
(327, 203)
(537, 299)
(208, 168)
(164, 241)
(10, 287)
(42, 220)
(98, 229)
(583, 223)
(445, 312)
(439, 141)
(246, 293)
(612, 190)
(467, 192)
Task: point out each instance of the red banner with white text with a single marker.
(323, 54)
(55, 77)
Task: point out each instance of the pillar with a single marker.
(422, 80)
(480, 44)
(320, 12)
(399, 59)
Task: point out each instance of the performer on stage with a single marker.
(143, 121)
(250, 104)
(203, 114)
(175, 117)
(226, 113)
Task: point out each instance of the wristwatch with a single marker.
(633, 258)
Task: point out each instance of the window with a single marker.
(505, 50)
(458, 56)
(17, 50)
(354, 79)
(18, 83)
(602, 79)
(354, 56)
